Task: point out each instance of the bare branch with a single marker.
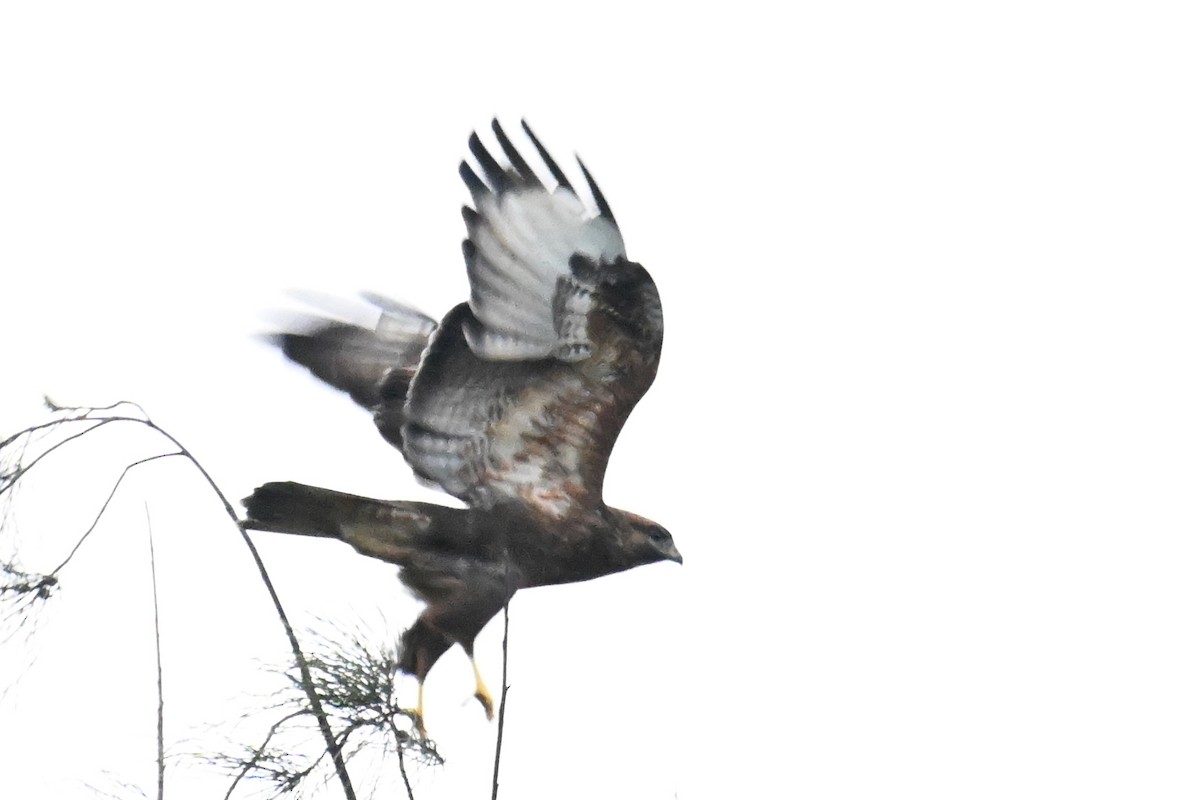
(162, 764)
(13, 477)
(401, 738)
(103, 508)
(19, 582)
(354, 678)
(322, 721)
(94, 414)
(83, 416)
(245, 765)
(503, 705)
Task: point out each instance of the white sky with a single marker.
(926, 429)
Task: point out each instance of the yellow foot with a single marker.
(418, 714)
(481, 692)
(485, 700)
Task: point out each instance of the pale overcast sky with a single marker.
(926, 429)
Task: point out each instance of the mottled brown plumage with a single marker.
(512, 403)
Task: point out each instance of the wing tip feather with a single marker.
(598, 196)
(547, 159)
(474, 184)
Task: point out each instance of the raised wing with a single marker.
(525, 302)
(523, 391)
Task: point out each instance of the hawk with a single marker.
(512, 404)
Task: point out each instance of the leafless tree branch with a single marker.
(401, 738)
(245, 765)
(503, 704)
(116, 485)
(355, 680)
(161, 755)
(41, 584)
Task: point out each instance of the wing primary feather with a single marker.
(549, 161)
(514, 157)
(495, 173)
(471, 217)
(597, 195)
(476, 186)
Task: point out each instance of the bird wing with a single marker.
(372, 365)
(523, 390)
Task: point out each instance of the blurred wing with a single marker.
(373, 365)
(523, 390)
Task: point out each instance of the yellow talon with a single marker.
(481, 692)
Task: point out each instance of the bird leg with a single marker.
(418, 714)
(481, 691)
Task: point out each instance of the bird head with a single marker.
(643, 540)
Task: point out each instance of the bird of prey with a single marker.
(512, 404)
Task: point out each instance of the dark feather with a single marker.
(496, 174)
(471, 218)
(597, 195)
(474, 185)
(547, 159)
(522, 168)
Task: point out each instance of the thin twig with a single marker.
(162, 762)
(53, 406)
(503, 704)
(332, 747)
(400, 755)
(81, 418)
(251, 762)
(104, 507)
(13, 477)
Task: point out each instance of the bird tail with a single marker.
(391, 530)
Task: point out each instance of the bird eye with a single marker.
(659, 535)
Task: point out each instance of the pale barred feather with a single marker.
(532, 226)
(536, 227)
(560, 221)
(524, 242)
(490, 284)
(508, 294)
(504, 347)
(573, 303)
(444, 460)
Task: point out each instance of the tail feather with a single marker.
(286, 507)
(390, 530)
